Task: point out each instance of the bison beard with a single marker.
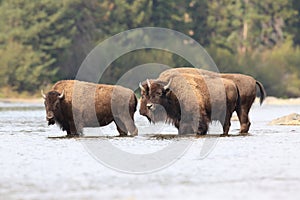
(51, 122)
(158, 114)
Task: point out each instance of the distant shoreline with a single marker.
(268, 100)
(21, 100)
(279, 101)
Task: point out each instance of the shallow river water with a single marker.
(36, 165)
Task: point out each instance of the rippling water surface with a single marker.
(35, 165)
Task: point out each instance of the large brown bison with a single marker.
(186, 101)
(246, 86)
(75, 104)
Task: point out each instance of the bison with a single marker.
(245, 84)
(186, 101)
(76, 104)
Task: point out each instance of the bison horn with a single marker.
(43, 95)
(168, 85)
(148, 82)
(142, 88)
(61, 95)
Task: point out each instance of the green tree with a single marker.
(243, 25)
(36, 35)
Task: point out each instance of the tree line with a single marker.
(45, 41)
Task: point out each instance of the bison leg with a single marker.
(202, 129)
(74, 130)
(127, 125)
(71, 133)
(185, 129)
(130, 126)
(227, 123)
(242, 114)
(121, 132)
(121, 127)
(203, 125)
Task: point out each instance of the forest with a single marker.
(43, 41)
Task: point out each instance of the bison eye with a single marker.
(159, 94)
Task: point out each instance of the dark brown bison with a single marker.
(186, 101)
(75, 104)
(245, 84)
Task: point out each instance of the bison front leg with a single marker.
(203, 124)
(188, 127)
(75, 130)
(185, 128)
(203, 128)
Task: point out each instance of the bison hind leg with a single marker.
(121, 131)
(125, 125)
(121, 127)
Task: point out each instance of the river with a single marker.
(36, 165)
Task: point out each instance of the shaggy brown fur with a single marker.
(90, 105)
(245, 84)
(189, 103)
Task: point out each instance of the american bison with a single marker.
(186, 101)
(245, 84)
(75, 104)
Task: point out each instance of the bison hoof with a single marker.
(224, 135)
(122, 135)
(72, 135)
(201, 132)
(135, 133)
(244, 134)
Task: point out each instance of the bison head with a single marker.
(52, 105)
(157, 101)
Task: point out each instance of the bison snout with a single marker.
(150, 106)
(49, 116)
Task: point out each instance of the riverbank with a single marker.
(21, 100)
(268, 100)
(280, 101)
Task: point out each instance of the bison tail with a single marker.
(135, 102)
(263, 93)
(238, 104)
